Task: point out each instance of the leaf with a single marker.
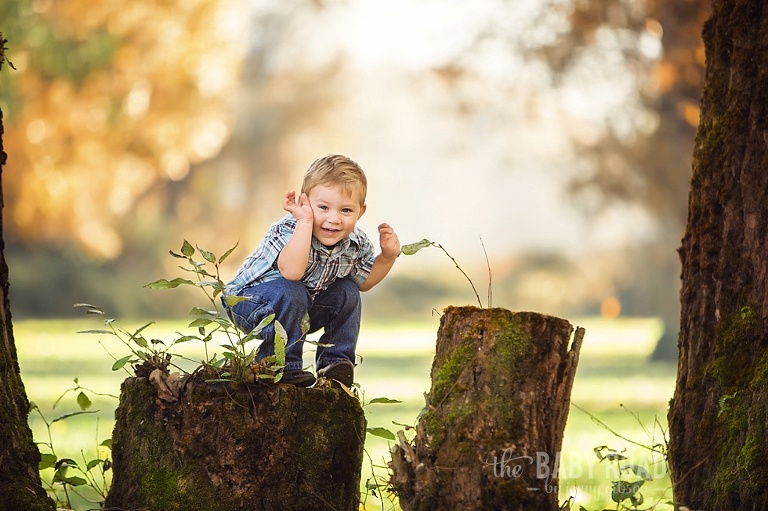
(186, 338)
(75, 481)
(281, 339)
(100, 332)
(200, 322)
(92, 309)
(208, 256)
(227, 253)
(107, 443)
(622, 490)
(233, 300)
(83, 401)
(136, 332)
(187, 249)
(47, 461)
(381, 432)
(93, 463)
(264, 322)
(87, 306)
(599, 451)
(169, 284)
(383, 400)
(197, 311)
(412, 248)
(64, 463)
(120, 363)
(639, 471)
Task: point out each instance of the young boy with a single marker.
(315, 260)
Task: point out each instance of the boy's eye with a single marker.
(322, 206)
(346, 210)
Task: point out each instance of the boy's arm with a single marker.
(293, 258)
(390, 249)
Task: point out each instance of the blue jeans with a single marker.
(337, 310)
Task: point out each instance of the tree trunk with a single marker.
(718, 417)
(20, 486)
(221, 447)
(497, 408)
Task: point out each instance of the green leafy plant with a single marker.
(237, 363)
(377, 485)
(623, 489)
(63, 476)
(150, 352)
(624, 492)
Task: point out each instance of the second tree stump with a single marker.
(495, 416)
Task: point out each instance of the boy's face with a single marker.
(335, 213)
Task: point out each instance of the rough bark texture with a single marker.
(718, 417)
(236, 448)
(497, 408)
(20, 486)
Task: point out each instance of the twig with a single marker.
(615, 433)
(438, 245)
(490, 277)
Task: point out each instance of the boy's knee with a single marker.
(295, 292)
(350, 292)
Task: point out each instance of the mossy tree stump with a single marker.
(496, 413)
(225, 447)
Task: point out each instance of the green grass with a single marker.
(396, 362)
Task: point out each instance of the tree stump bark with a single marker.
(226, 447)
(496, 412)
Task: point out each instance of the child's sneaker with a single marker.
(298, 377)
(342, 371)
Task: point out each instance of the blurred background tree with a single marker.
(120, 133)
(637, 151)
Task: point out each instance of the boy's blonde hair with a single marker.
(336, 169)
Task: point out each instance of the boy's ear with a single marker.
(362, 210)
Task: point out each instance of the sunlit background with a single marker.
(552, 136)
(558, 133)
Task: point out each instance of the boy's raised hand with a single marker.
(390, 243)
(300, 210)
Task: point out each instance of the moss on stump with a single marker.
(226, 447)
(496, 412)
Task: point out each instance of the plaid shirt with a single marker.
(352, 257)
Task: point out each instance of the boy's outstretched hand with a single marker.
(390, 243)
(300, 210)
